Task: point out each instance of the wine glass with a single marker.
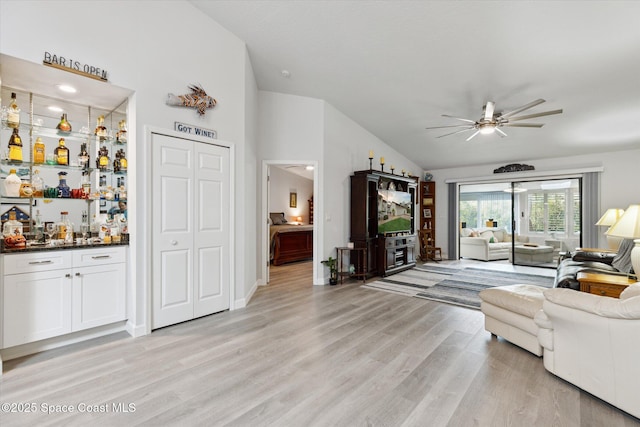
(51, 230)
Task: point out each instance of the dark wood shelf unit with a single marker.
(381, 247)
(427, 215)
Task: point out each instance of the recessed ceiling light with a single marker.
(309, 168)
(55, 109)
(285, 73)
(67, 88)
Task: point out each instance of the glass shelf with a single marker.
(27, 165)
(68, 136)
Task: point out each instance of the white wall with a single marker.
(618, 182)
(283, 183)
(297, 128)
(145, 47)
(346, 149)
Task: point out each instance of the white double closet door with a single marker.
(191, 232)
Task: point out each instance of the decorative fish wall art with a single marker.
(197, 99)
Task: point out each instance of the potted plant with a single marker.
(332, 263)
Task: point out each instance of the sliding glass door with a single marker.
(524, 222)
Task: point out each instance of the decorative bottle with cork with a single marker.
(38, 151)
(62, 153)
(13, 113)
(15, 147)
(12, 184)
(64, 125)
(101, 130)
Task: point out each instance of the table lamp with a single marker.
(610, 217)
(628, 226)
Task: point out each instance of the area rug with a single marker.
(458, 286)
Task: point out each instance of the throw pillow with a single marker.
(473, 234)
(487, 235)
(277, 218)
(492, 240)
(622, 260)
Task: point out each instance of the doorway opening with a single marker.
(527, 222)
(289, 198)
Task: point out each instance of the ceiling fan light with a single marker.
(487, 129)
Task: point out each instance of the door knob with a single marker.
(173, 242)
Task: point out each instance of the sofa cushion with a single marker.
(522, 299)
(631, 291)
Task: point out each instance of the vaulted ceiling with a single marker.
(395, 67)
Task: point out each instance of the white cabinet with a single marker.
(98, 296)
(47, 294)
(36, 306)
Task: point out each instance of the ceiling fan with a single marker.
(492, 121)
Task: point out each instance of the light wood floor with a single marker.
(301, 355)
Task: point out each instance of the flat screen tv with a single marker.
(394, 211)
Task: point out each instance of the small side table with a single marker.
(607, 285)
(357, 257)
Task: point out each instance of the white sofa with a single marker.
(594, 343)
(487, 244)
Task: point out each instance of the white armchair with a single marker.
(594, 343)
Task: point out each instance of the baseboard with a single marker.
(242, 302)
(61, 341)
(136, 331)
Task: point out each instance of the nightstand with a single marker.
(607, 285)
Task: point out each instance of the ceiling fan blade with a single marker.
(524, 107)
(531, 116)
(474, 134)
(453, 133)
(458, 118)
(488, 110)
(524, 125)
(450, 126)
(502, 134)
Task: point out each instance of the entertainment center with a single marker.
(383, 220)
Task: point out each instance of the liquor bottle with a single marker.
(85, 183)
(62, 153)
(102, 162)
(38, 184)
(12, 184)
(101, 130)
(63, 188)
(65, 228)
(121, 135)
(15, 147)
(123, 161)
(12, 226)
(116, 162)
(64, 125)
(83, 157)
(38, 151)
(13, 113)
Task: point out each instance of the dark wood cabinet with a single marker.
(383, 220)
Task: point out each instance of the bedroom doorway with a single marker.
(290, 191)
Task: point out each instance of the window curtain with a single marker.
(590, 207)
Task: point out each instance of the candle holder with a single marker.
(392, 169)
(370, 164)
(403, 172)
(382, 167)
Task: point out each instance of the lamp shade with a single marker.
(610, 217)
(628, 226)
